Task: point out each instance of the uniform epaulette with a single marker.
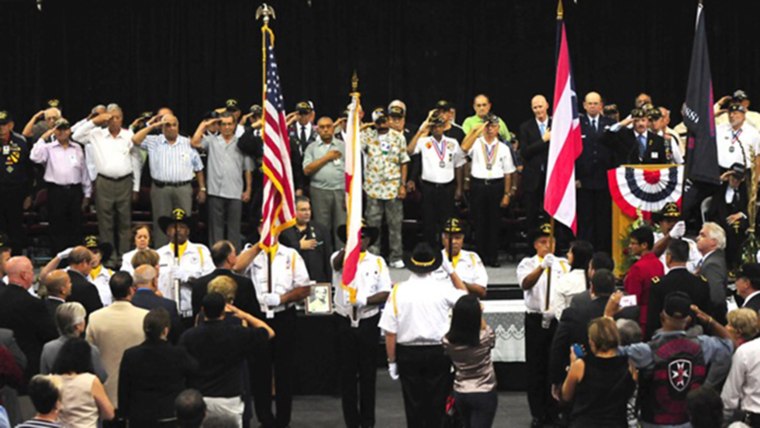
(656, 279)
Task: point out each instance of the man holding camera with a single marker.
(385, 181)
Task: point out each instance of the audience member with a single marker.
(599, 381)
(45, 393)
(469, 343)
(190, 409)
(153, 374)
(748, 285)
(638, 280)
(141, 238)
(115, 329)
(146, 297)
(83, 398)
(711, 243)
(70, 320)
(575, 281)
(743, 325)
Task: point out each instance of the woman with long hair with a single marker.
(83, 396)
(469, 343)
(575, 281)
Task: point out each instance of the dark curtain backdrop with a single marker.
(192, 55)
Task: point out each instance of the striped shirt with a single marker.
(171, 163)
(39, 423)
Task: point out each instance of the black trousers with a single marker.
(357, 356)
(594, 210)
(538, 341)
(477, 409)
(437, 207)
(65, 215)
(12, 215)
(426, 381)
(533, 202)
(277, 354)
(485, 198)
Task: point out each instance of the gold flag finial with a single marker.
(354, 82)
(266, 11)
(560, 11)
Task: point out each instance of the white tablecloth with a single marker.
(507, 319)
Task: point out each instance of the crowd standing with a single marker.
(139, 324)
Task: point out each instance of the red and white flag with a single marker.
(353, 199)
(278, 206)
(565, 145)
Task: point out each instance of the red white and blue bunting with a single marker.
(644, 189)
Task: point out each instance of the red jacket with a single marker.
(639, 279)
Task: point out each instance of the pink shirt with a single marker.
(63, 165)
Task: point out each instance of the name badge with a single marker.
(655, 155)
(6, 150)
(73, 159)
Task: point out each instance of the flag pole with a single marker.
(265, 11)
(352, 292)
(560, 15)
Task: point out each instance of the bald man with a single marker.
(593, 197)
(173, 164)
(58, 286)
(534, 148)
(25, 314)
(146, 282)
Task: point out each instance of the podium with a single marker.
(640, 190)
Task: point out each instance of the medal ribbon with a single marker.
(735, 136)
(490, 153)
(441, 152)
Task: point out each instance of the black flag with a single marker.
(698, 115)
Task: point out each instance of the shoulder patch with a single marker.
(656, 279)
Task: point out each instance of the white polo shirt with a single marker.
(288, 269)
(734, 146)
(535, 298)
(439, 158)
(372, 277)
(196, 260)
(496, 154)
(417, 310)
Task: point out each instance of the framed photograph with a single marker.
(319, 301)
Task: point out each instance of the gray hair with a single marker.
(630, 331)
(714, 231)
(113, 107)
(144, 274)
(68, 316)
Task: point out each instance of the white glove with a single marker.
(180, 274)
(361, 301)
(678, 230)
(65, 253)
(271, 299)
(548, 261)
(447, 266)
(393, 371)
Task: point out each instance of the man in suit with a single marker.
(301, 133)
(748, 285)
(116, 328)
(593, 197)
(312, 241)
(58, 286)
(573, 326)
(711, 243)
(82, 290)
(24, 314)
(146, 283)
(638, 145)
(534, 149)
(728, 208)
(224, 256)
(678, 278)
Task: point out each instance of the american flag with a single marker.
(278, 207)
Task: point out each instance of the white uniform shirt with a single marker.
(468, 266)
(372, 277)
(535, 298)
(433, 153)
(196, 261)
(126, 261)
(729, 148)
(417, 310)
(289, 269)
(694, 254)
(675, 146)
(564, 289)
(502, 159)
(101, 283)
(743, 381)
(113, 157)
